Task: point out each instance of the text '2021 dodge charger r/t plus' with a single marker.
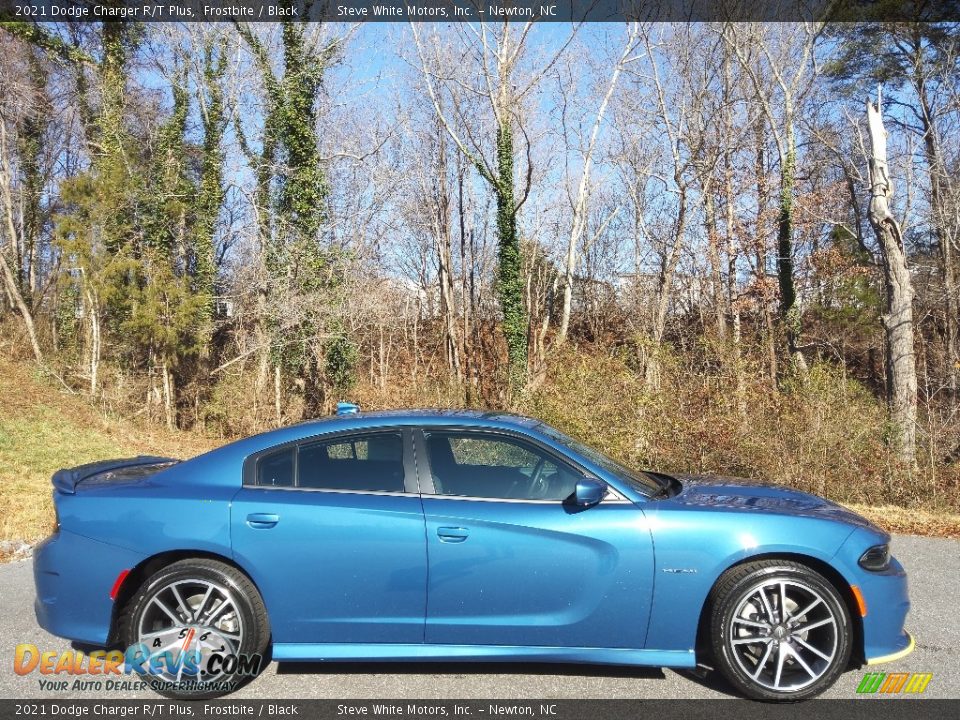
(458, 535)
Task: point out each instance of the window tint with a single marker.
(367, 462)
(276, 470)
(495, 466)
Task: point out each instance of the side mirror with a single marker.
(590, 491)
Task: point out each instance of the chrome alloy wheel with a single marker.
(190, 616)
(784, 634)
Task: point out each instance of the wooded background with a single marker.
(677, 242)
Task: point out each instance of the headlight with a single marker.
(876, 558)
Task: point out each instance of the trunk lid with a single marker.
(110, 471)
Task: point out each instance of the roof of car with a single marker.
(416, 415)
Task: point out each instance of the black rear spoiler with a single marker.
(67, 479)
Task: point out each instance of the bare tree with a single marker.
(15, 243)
(503, 88)
(898, 318)
(579, 203)
(784, 53)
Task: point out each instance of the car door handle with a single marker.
(452, 534)
(262, 520)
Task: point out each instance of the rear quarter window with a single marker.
(276, 469)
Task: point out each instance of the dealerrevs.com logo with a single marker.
(894, 683)
(111, 670)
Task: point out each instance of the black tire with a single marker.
(249, 611)
(738, 589)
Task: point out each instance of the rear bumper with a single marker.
(73, 577)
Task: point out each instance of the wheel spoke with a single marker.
(176, 621)
(781, 657)
(198, 613)
(802, 662)
(763, 661)
(218, 611)
(808, 608)
(813, 626)
(187, 613)
(158, 633)
(784, 615)
(751, 623)
(752, 640)
(799, 640)
(766, 605)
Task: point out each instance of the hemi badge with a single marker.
(680, 571)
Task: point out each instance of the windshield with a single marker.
(639, 480)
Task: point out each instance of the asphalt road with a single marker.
(932, 564)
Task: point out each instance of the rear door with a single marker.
(513, 562)
(332, 531)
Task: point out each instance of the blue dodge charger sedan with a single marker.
(459, 535)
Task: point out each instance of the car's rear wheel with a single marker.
(196, 627)
(779, 630)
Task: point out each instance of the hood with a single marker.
(749, 496)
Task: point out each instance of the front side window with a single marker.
(482, 465)
(640, 481)
(370, 463)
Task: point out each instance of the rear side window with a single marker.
(372, 463)
(363, 463)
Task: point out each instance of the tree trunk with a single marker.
(668, 269)
(578, 222)
(789, 310)
(509, 271)
(761, 254)
(168, 400)
(898, 318)
(939, 188)
(276, 394)
(93, 312)
(14, 292)
(442, 240)
(713, 257)
(10, 279)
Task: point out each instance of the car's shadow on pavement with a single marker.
(708, 679)
(711, 680)
(474, 668)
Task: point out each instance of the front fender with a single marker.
(693, 548)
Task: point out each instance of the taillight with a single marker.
(118, 583)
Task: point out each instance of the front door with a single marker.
(513, 562)
(334, 540)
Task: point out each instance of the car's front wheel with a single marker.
(779, 630)
(196, 629)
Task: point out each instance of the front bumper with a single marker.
(73, 576)
(887, 599)
(895, 655)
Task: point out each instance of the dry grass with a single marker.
(826, 434)
(911, 521)
(826, 438)
(43, 429)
